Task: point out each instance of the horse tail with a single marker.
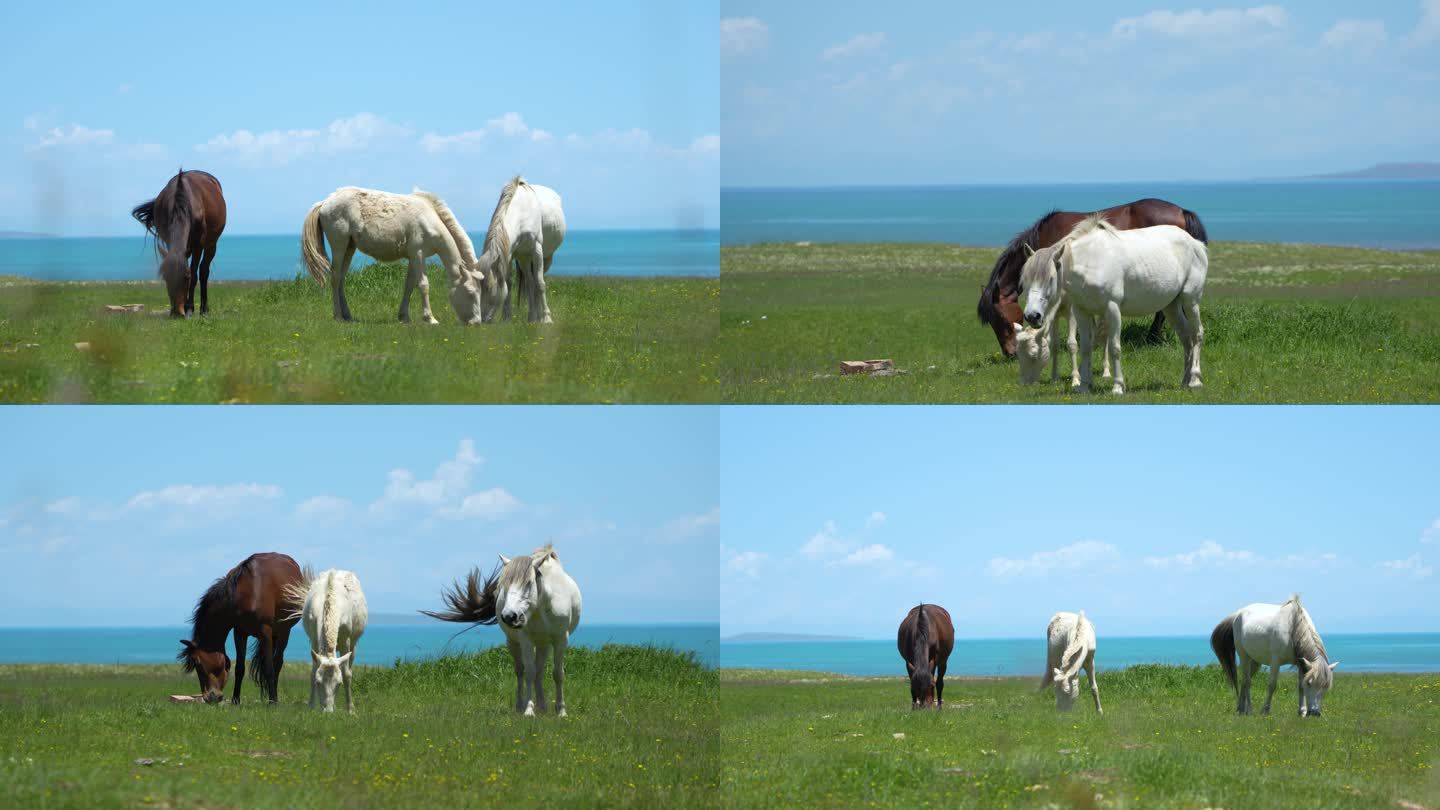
(1222, 641)
(144, 213)
(920, 652)
(1194, 226)
(312, 245)
(472, 602)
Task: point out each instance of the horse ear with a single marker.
(1309, 665)
(1029, 251)
(314, 656)
(1059, 675)
(1332, 666)
(1060, 252)
(346, 657)
(1018, 328)
(187, 644)
(503, 559)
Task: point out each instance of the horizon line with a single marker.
(824, 637)
(1050, 184)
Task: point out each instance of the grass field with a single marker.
(641, 731)
(1168, 739)
(1283, 324)
(636, 340)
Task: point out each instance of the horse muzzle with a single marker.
(214, 697)
(1034, 318)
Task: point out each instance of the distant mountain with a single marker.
(26, 235)
(1419, 170)
(788, 637)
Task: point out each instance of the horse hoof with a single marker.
(1194, 384)
(561, 713)
(1117, 389)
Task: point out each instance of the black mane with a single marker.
(1011, 259)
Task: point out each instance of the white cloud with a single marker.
(1427, 30)
(64, 506)
(1075, 555)
(322, 507)
(874, 553)
(279, 147)
(1209, 553)
(1363, 34)
(860, 43)
(449, 484)
(706, 145)
(509, 125)
(490, 504)
(875, 521)
(742, 34)
(73, 135)
(1431, 533)
(212, 497)
(683, 528)
(825, 543)
(1411, 566)
(1195, 23)
(746, 562)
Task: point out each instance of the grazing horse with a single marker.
(1000, 300)
(925, 640)
(391, 227)
(1276, 635)
(1108, 273)
(251, 602)
(527, 227)
(537, 604)
(1070, 646)
(333, 615)
(186, 218)
(1034, 347)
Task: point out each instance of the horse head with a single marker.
(519, 588)
(1314, 684)
(1067, 688)
(329, 671)
(211, 666)
(1032, 349)
(922, 687)
(1040, 281)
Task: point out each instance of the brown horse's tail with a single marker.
(1222, 641)
(1194, 226)
(312, 245)
(472, 602)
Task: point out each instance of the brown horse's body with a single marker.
(249, 601)
(925, 640)
(999, 301)
(186, 219)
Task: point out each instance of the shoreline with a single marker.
(1238, 242)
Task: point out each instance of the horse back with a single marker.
(260, 590)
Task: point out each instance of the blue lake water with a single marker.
(1400, 215)
(382, 644)
(248, 258)
(1383, 652)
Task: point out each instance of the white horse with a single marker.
(527, 227)
(1107, 274)
(1276, 635)
(1070, 646)
(389, 227)
(1034, 345)
(333, 613)
(537, 604)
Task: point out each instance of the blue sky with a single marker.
(1154, 520)
(613, 105)
(1131, 90)
(122, 516)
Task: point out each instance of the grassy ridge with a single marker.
(642, 731)
(1168, 739)
(614, 340)
(1283, 323)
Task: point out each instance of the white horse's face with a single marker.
(1314, 685)
(519, 599)
(467, 300)
(329, 672)
(1041, 294)
(1032, 349)
(1066, 690)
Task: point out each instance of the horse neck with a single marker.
(1305, 639)
(211, 626)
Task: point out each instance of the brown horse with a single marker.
(186, 219)
(925, 640)
(251, 602)
(999, 301)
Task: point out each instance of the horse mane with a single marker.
(1074, 647)
(1094, 222)
(462, 239)
(497, 241)
(1304, 638)
(1008, 265)
(296, 593)
(220, 594)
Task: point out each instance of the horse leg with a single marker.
(349, 673)
(267, 662)
(1242, 687)
(412, 278)
(205, 279)
(1074, 348)
(542, 652)
(517, 659)
(560, 677)
(940, 686)
(1086, 329)
(537, 269)
(425, 294)
(1157, 328)
(1113, 324)
(191, 281)
(1274, 681)
(1197, 338)
(505, 288)
(240, 642)
(1105, 358)
(314, 667)
(282, 640)
(1094, 684)
(339, 266)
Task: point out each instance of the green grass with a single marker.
(641, 731)
(650, 340)
(1168, 739)
(1283, 324)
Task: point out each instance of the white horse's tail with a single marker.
(312, 244)
(1222, 641)
(1074, 654)
(457, 233)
